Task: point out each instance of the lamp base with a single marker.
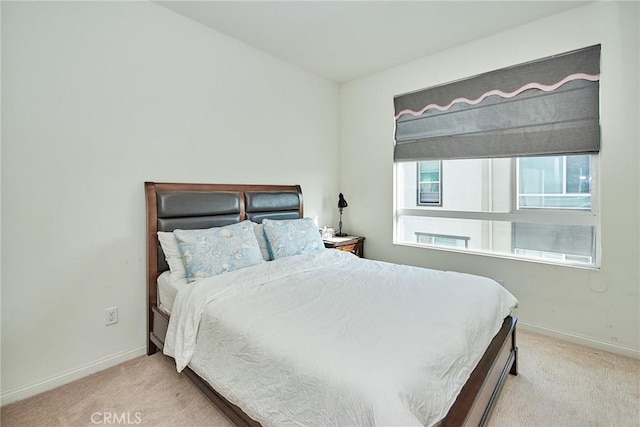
(341, 234)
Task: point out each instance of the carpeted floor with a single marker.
(560, 384)
(566, 385)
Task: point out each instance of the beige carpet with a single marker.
(560, 384)
(566, 385)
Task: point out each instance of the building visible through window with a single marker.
(555, 182)
(429, 176)
(530, 207)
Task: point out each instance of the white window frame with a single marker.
(538, 216)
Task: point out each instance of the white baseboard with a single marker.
(582, 340)
(32, 389)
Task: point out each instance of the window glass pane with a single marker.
(555, 182)
(556, 202)
(541, 175)
(432, 187)
(429, 177)
(430, 166)
(470, 233)
(579, 174)
(467, 185)
(566, 244)
(567, 240)
(430, 193)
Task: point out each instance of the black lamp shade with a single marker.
(342, 203)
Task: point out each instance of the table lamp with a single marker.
(342, 203)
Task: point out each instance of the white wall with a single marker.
(600, 308)
(97, 98)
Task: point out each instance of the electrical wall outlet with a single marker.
(111, 316)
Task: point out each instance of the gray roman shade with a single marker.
(545, 107)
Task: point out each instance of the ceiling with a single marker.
(344, 40)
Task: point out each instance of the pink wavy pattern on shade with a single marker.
(546, 88)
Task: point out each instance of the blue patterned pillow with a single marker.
(218, 250)
(292, 237)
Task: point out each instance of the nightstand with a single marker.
(353, 244)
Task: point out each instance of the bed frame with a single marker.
(190, 206)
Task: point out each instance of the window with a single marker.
(540, 208)
(519, 148)
(429, 181)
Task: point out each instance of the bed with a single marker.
(185, 206)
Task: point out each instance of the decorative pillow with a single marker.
(292, 237)
(173, 256)
(262, 241)
(218, 250)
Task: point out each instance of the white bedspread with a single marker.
(332, 339)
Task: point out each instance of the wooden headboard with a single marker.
(190, 206)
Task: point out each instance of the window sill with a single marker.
(500, 256)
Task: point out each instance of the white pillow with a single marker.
(292, 237)
(262, 241)
(173, 256)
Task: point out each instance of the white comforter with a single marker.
(332, 339)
